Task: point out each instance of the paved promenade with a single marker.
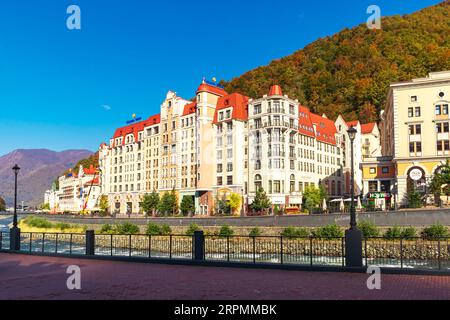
(30, 277)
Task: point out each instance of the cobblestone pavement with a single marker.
(31, 277)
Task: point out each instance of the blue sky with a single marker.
(62, 89)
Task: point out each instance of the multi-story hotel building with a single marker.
(222, 143)
(77, 192)
(366, 145)
(415, 131)
(275, 144)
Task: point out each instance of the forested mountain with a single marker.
(350, 72)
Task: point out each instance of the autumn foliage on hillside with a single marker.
(349, 73)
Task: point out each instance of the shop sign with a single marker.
(416, 174)
(379, 195)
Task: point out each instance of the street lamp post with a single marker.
(15, 231)
(353, 236)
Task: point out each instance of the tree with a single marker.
(168, 204)
(187, 205)
(103, 204)
(414, 199)
(2, 204)
(234, 201)
(313, 197)
(440, 183)
(150, 203)
(223, 206)
(261, 203)
(44, 206)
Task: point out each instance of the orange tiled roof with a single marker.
(89, 171)
(189, 109)
(275, 91)
(325, 129)
(305, 124)
(238, 102)
(367, 128)
(211, 89)
(135, 128)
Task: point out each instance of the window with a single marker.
(441, 109)
(219, 181)
(219, 168)
(415, 129)
(373, 170)
(415, 148)
(443, 145)
(438, 110)
(228, 114)
(410, 112)
(417, 112)
(385, 169)
(258, 182)
(373, 186)
(257, 109)
(229, 180)
(229, 167)
(413, 98)
(276, 186)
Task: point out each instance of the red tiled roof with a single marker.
(189, 109)
(156, 119)
(211, 89)
(275, 91)
(305, 125)
(238, 102)
(367, 128)
(325, 129)
(135, 128)
(90, 171)
(352, 123)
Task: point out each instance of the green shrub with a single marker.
(435, 231)
(409, 233)
(106, 229)
(368, 229)
(226, 231)
(127, 228)
(62, 226)
(165, 230)
(393, 233)
(294, 232)
(40, 223)
(330, 231)
(192, 228)
(255, 232)
(153, 229)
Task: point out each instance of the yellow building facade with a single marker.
(415, 131)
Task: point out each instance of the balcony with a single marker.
(276, 154)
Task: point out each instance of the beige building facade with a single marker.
(415, 131)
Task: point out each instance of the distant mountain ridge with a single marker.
(39, 167)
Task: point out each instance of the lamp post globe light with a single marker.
(353, 236)
(15, 231)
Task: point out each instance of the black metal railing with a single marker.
(58, 243)
(169, 247)
(276, 249)
(412, 253)
(4, 240)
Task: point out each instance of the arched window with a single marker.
(258, 182)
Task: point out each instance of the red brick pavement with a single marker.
(31, 277)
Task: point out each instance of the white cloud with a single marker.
(106, 107)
